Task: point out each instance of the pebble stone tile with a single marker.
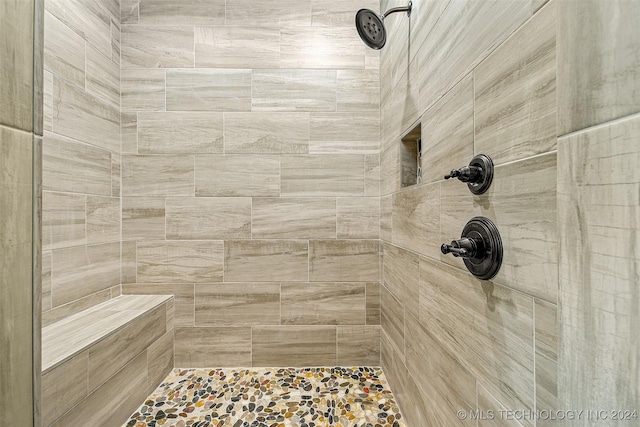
(271, 397)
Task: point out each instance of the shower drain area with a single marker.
(276, 397)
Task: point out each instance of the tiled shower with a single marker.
(247, 161)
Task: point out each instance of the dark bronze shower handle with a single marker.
(463, 248)
(478, 175)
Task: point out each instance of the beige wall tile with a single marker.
(237, 47)
(344, 260)
(392, 320)
(179, 262)
(115, 41)
(129, 10)
(84, 270)
(64, 311)
(400, 107)
(390, 169)
(159, 360)
(213, 346)
(46, 280)
(236, 175)
(487, 404)
(447, 133)
(266, 133)
(373, 303)
(183, 294)
(64, 51)
(323, 304)
(47, 102)
(424, 17)
(142, 89)
(337, 13)
(63, 387)
(237, 304)
(266, 260)
(321, 47)
(294, 346)
(322, 175)
(358, 90)
(516, 93)
(63, 220)
(116, 180)
(154, 46)
(303, 218)
(344, 132)
(386, 211)
(129, 133)
(209, 90)
(179, 12)
(358, 346)
(103, 219)
(207, 218)
(293, 90)
(546, 333)
(279, 13)
(180, 132)
(372, 175)
(157, 175)
(102, 76)
(401, 276)
(416, 219)
(143, 218)
(128, 266)
(358, 217)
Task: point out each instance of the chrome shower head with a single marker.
(371, 27)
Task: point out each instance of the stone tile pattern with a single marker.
(250, 178)
(311, 397)
(493, 92)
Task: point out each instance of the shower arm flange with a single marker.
(399, 9)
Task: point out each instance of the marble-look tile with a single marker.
(237, 304)
(180, 262)
(358, 217)
(344, 260)
(373, 303)
(129, 133)
(598, 63)
(116, 176)
(424, 16)
(159, 360)
(599, 207)
(103, 219)
(447, 133)
(321, 47)
(237, 175)
(390, 169)
(394, 57)
(515, 93)
(142, 90)
(358, 90)
(274, 13)
(338, 13)
(401, 276)
(61, 312)
(209, 90)
(63, 220)
(153, 46)
(212, 346)
(302, 218)
(83, 270)
(495, 414)
(294, 90)
(372, 175)
(322, 175)
(470, 316)
(180, 132)
(392, 315)
(182, 12)
(386, 214)
(358, 346)
(129, 10)
(294, 346)
(266, 260)
(522, 203)
(46, 280)
(115, 41)
(546, 333)
(78, 115)
(416, 220)
(237, 47)
(183, 294)
(47, 102)
(102, 77)
(128, 267)
(75, 167)
(266, 133)
(63, 387)
(64, 52)
(208, 218)
(170, 175)
(323, 304)
(400, 108)
(465, 34)
(537, 4)
(143, 218)
(344, 132)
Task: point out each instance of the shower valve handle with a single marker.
(463, 248)
(471, 174)
(478, 174)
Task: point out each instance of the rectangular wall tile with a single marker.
(64, 51)
(293, 90)
(237, 47)
(373, 303)
(153, 46)
(210, 218)
(102, 77)
(46, 280)
(266, 261)
(63, 220)
(63, 387)
(344, 132)
(183, 293)
(318, 175)
(392, 320)
(142, 89)
(116, 179)
(278, 13)
(143, 218)
(323, 304)
(372, 175)
(237, 304)
(321, 47)
(178, 12)
(103, 219)
(337, 13)
(213, 346)
(416, 220)
(401, 276)
(358, 90)
(487, 404)
(236, 175)
(546, 333)
(129, 10)
(344, 260)
(209, 90)
(294, 346)
(128, 267)
(129, 133)
(386, 214)
(266, 133)
(47, 102)
(180, 133)
(159, 360)
(180, 262)
(358, 217)
(358, 346)
(278, 218)
(515, 90)
(158, 175)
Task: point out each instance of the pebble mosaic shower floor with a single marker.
(282, 397)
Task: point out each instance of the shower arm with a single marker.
(399, 9)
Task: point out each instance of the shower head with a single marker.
(371, 28)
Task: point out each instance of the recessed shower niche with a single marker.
(411, 157)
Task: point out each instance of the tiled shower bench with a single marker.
(100, 364)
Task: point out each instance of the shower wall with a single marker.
(81, 156)
(250, 178)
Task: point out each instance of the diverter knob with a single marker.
(478, 175)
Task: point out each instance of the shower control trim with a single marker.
(478, 175)
(480, 247)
